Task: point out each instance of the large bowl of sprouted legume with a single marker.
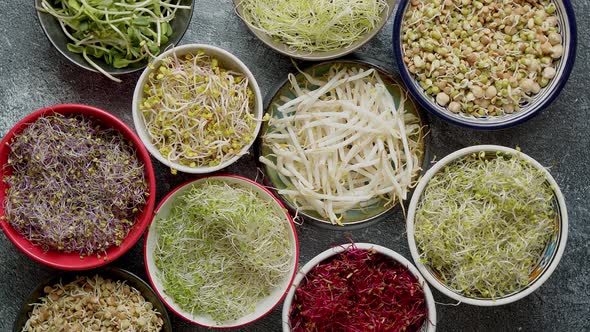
(314, 30)
(197, 108)
(105, 299)
(113, 37)
(77, 187)
(221, 251)
(487, 225)
(485, 64)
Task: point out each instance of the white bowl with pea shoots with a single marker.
(197, 108)
(487, 225)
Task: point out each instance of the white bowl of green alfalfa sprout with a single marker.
(487, 225)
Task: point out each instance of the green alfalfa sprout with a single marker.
(221, 250)
(483, 224)
(314, 25)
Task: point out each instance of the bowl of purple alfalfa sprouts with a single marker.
(77, 187)
(359, 287)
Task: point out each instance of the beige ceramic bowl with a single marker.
(316, 56)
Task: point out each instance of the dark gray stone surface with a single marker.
(33, 76)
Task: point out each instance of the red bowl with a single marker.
(72, 261)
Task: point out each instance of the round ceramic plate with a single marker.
(371, 210)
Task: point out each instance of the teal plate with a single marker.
(378, 207)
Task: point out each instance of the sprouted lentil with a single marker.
(197, 113)
(119, 32)
(482, 57)
(344, 143)
(314, 25)
(221, 250)
(74, 185)
(93, 304)
(483, 223)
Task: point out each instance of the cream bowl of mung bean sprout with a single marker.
(487, 225)
(484, 64)
(197, 108)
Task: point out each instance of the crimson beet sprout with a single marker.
(197, 113)
(358, 290)
(75, 186)
(483, 223)
(222, 249)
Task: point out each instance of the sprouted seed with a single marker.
(221, 250)
(119, 32)
(484, 222)
(482, 58)
(358, 290)
(74, 187)
(197, 113)
(314, 25)
(93, 304)
(343, 143)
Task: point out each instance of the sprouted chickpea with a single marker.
(482, 57)
(197, 113)
(93, 304)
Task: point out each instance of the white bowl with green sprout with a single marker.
(197, 108)
(487, 225)
(221, 251)
(314, 30)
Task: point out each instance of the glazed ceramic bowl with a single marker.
(317, 55)
(546, 264)
(540, 101)
(227, 61)
(265, 305)
(429, 324)
(72, 261)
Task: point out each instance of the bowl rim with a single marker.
(315, 56)
(142, 219)
(109, 70)
(426, 139)
(545, 274)
(138, 122)
(247, 182)
(430, 304)
(426, 103)
(102, 272)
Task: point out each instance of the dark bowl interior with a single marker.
(106, 272)
(56, 36)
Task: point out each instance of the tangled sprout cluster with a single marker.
(74, 186)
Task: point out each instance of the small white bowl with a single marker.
(267, 304)
(552, 253)
(429, 324)
(226, 60)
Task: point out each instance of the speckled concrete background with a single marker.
(33, 75)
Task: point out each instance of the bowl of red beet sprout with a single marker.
(77, 187)
(359, 287)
